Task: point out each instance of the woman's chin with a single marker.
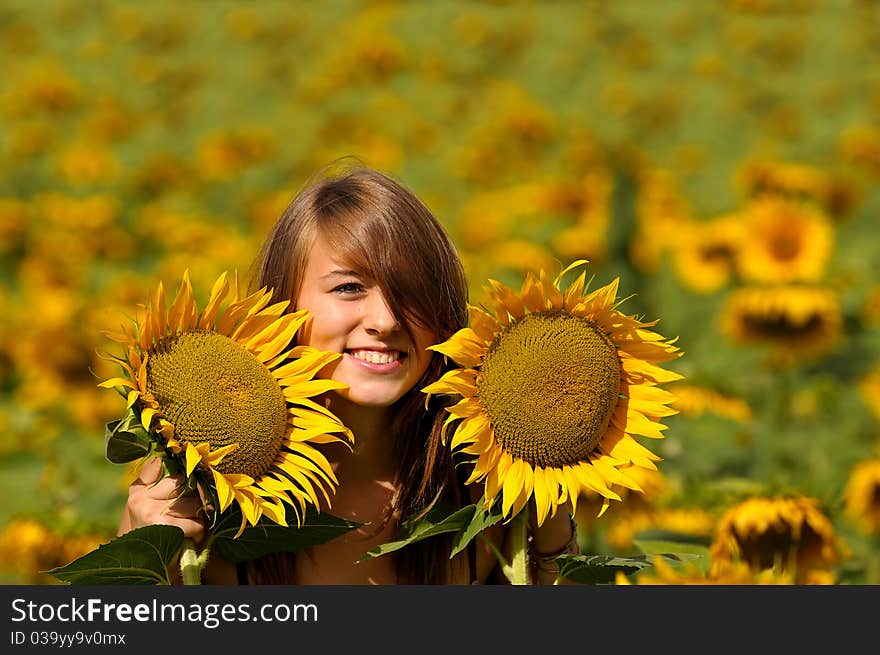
(367, 398)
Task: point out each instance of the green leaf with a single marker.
(483, 518)
(676, 552)
(598, 569)
(671, 536)
(126, 440)
(141, 556)
(269, 537)
(439, 520)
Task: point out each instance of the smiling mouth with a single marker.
(377, 356)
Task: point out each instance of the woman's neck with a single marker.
(371, 455)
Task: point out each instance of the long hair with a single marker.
(380, 228)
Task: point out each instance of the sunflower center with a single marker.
(549, 383)
(779, 545)
(785, 245)
(781, 327)
(214, 391)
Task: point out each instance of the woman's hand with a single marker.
(155, 501)
(556, 536)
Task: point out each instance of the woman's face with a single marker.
(380, 362)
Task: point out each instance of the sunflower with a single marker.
(862, 496)
(663, 217)
(706, 253)
(795, 321)
(555, 386)
(622, 533)
(224, 395)
(728, 573)
(835, 194)
(790, 534)
(694, 400)
(869, 388)
(788, 241)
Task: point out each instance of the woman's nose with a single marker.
(378, 317)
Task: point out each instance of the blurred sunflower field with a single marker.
(721, 158)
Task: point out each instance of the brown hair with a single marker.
(380, 228)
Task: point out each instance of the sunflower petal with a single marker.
(464, 347)
(193, 457)
(483, 324)
(542, 495)
(225, 494)
(218, 295)
(461, 381)
(469, 429)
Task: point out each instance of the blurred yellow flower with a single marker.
(869, 387)
(795, 322)
(663, 216)
(14, 214)
(784, 241)
(86, 163)
(224, 154)
(860, 144)
(46, 86)
(862, 496)
(28, 548)
(787, 534)
(693, 522)
(798, 182)
(707, 251)
(726, 573)
(694, 400)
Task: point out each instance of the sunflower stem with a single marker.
(518, 571)
(192, 562)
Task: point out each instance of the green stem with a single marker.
(192, 562)
(518, 570)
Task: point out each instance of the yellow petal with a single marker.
(193, 457)
(147, 417)
(464, 347)
(216, 456)
(218, 294)
(160, 315)
(573, 486)
(532, 294)
(275, 511)
(484, 325)
(225, 494)
(542, 495)
(181, 305)
(512, 486)
(461, 381)
(575, 264)
(508, 302)
(469, 429)
(117, 382)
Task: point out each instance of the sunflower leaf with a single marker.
(483, 518)
(141, 556)
(126, 440)
(677, 551)
(269, 537)
(439, 520)
(602, 569)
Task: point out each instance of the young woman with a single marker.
(383, 282)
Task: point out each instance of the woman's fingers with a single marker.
(150, 472)
(154, 500)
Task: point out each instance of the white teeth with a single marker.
(376, 357)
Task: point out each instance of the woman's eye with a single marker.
(349, 287)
